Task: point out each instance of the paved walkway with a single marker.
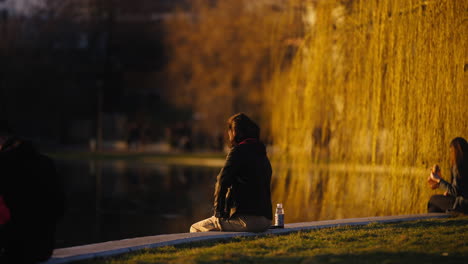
(112, 248)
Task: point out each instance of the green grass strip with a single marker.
(426, 241)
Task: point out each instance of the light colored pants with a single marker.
(239, 223)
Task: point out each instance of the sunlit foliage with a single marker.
(221, 58)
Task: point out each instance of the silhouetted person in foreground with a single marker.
(455, 197)
(32, 192)
(242, 198)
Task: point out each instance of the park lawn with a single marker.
(425, 241)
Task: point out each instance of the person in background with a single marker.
(455, 197)
(242, 198)
(34, 196)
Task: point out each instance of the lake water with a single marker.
(111, 200)
(118, 199)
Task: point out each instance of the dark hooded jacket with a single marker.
(243, 184)
(34, 195)
(457, 188)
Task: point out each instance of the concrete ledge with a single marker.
(112, 248)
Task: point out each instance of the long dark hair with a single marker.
(459, 156)
(244, 128)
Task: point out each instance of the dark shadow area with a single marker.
(451, 222)
(381, 257)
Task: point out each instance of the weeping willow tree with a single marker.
(371, 100)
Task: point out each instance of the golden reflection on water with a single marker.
(340, 191)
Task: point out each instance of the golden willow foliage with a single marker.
(220, 58)
(373, 98)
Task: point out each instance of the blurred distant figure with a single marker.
(32, 192)
(220, 142)
(185, 143)
(455, 197)
(242, 198)
(134, 137)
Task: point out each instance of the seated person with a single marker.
(242, 198)
(456, 191)
(34, 198)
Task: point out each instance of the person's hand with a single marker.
(432, 183)
(434, 177)
(446, 193)
(220, 214)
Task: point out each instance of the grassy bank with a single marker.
(428, 241)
